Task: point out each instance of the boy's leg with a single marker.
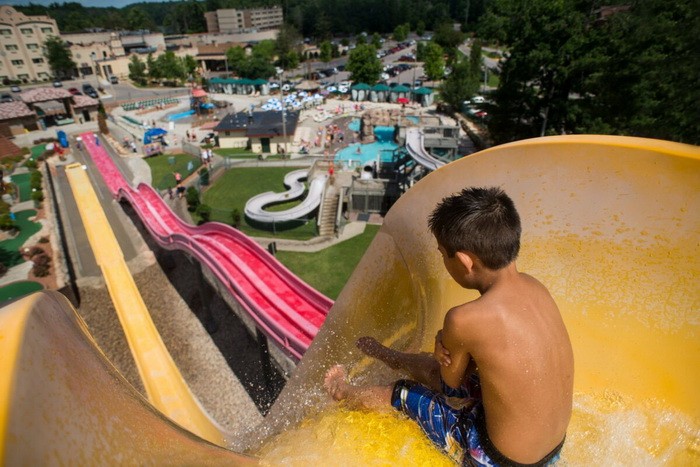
(421, 366)
(368, 397)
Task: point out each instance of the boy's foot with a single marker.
(336, 382)
(375, 349)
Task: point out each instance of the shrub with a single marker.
(6, 222)
(192, 197)
(35, 178)
(31, 164)
(38, 197)
(204, 213)
(3, 269)
(35, 251)
(204, 176)
(236, 218)
(42, 265)
(44, 240)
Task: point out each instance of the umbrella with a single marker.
(403, 100)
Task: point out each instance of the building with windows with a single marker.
(231, 20)
(22, 46)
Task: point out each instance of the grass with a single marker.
(233, 189)
(235, 153)
(163, 166)
(19, 289)
(22, 182)
(37, 151)
(9, 249)
(329, 270)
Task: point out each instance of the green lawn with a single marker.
(9, 249)
(22, 182)
(37, 151)
(19, 289)
(329, 269)
(233, 189)
(163, 166)
(235, 153)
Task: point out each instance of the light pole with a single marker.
(93, 56)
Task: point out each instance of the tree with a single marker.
(326, 52)
(171, 66)
(460, 85)
(449, 39)
(548, 59)
(287, 44)
(401, 32)
(59, 57)
(377, 41)
(236, 58)
(364, 65)
(138, 19)
(432, 56)
(154, 71)
(137, 70)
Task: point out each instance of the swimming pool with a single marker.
(361, 154)
(180, 115)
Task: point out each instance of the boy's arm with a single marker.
(455, 341)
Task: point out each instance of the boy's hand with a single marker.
(441, 354)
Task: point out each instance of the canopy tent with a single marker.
(424, 96)
(398, 92)
(360, 91)
(379, 92)
(307, 85)
(153, 133)
(51, 107)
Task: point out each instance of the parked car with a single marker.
(57, 84)
(75, 91)
(90, 91)
(113, 79)
(15, 89)
(6, 98)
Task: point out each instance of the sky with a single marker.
(100, 3)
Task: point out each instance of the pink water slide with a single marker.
(284, 307)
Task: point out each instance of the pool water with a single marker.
(361, 154)
(180, 115)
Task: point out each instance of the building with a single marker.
(22, 46)
(263, 132)
(39, 108)
(233, 21)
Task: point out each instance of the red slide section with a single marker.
(284, 307)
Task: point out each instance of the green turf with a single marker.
(19, 289)
(162, 169)
(329, 269)
(235, 153)
(9, 249)
(22, 182)
(37, 151)
(234, 188)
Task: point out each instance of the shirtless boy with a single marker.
(498, 388)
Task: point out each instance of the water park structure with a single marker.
(610, 225)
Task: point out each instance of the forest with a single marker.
(567, 67)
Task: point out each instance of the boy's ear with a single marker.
(466, 260)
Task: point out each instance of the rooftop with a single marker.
(10, 110)
(44, 94)
(260, 124)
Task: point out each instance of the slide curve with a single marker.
(254, 208)
(610, 225)
(284, 307)
(416, 149)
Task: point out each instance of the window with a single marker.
(12, 47)
(33, 46)
(18, 62)
(47, 30)
(5, 32)
(26, 30)
(37, 60)
(23, 77)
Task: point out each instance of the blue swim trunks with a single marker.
(455, 422)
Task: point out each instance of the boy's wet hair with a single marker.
(483, 221)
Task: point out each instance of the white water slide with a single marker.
(416, 149)
(254, 208)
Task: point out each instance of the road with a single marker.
(81, 253)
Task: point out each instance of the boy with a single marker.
(505, 357)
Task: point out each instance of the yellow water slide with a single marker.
(611, 225)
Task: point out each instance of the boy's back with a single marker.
(515, 334)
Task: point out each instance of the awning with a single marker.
(51, 107)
